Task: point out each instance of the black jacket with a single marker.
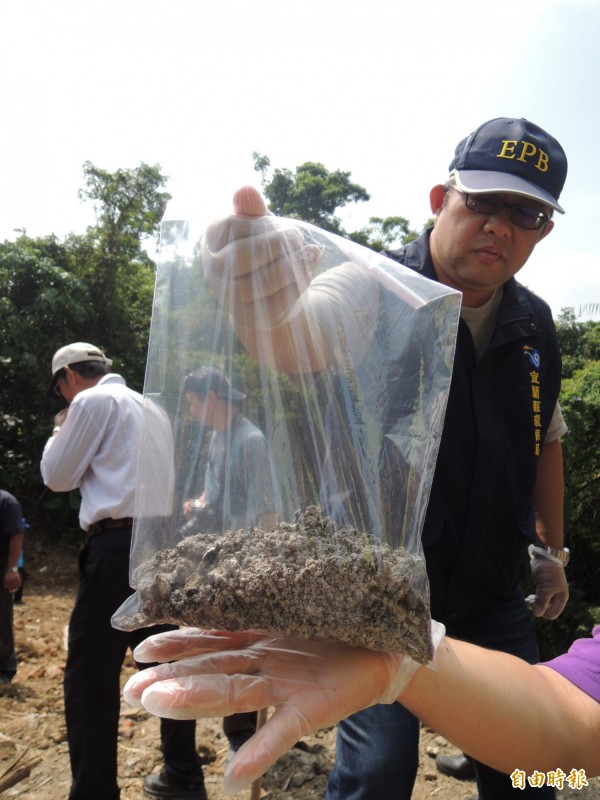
(479, 519)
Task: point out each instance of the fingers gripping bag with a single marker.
(304, 379)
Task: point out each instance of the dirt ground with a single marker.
(32, 727)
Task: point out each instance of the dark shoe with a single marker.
(162, 785)
(459, 767)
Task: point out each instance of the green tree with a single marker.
(384, 233)
(41, 303)
(579, 341)
(114, 263)
(580, 399)
(97, 287)
(580, 402)
(314, 194)
(311, 193)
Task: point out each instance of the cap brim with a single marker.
(51, 394)
(233, 394)
(480, 182)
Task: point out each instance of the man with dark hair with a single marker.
(238, 481)
(12, 527)
(94, 447)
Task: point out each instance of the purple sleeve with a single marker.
(581, 665)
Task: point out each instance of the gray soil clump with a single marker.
(307, 579)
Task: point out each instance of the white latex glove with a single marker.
(551, 588)
(257, 264)
(310, 684)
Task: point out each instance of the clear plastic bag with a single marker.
(304, 379)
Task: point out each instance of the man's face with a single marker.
(200, 407)
(476, 253)
(67, 384)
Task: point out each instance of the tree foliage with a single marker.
(129, 205)
(579, 341)
(384, 233)
(314, 194)
(580, 402)
(95, 287)
(311, 193)
(42, 300)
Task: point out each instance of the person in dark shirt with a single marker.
(238, 482)
(12, 528)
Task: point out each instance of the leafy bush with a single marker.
(580, 401)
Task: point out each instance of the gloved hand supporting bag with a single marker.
(310, 685)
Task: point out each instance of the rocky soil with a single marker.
(32, 728)
(307, 579)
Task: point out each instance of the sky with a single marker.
(382, 90)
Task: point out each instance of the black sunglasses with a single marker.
(528, 217)
(56, 388)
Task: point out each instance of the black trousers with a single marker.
(93, 670)
(239, 728)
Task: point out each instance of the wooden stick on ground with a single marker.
(255, 788)
(14, 776)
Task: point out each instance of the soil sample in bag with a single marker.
(307, 579)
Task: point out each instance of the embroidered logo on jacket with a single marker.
(532, 355)
(536, 406)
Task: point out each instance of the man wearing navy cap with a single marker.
(498, 484)
(238, 481)
(238, 487)
(497, 490)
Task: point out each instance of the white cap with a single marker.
(76, 352)
(73, 354)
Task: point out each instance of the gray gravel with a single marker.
(307, 579)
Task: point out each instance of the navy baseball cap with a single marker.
(208, 379)
(511, 155)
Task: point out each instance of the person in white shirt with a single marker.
(94, 447)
